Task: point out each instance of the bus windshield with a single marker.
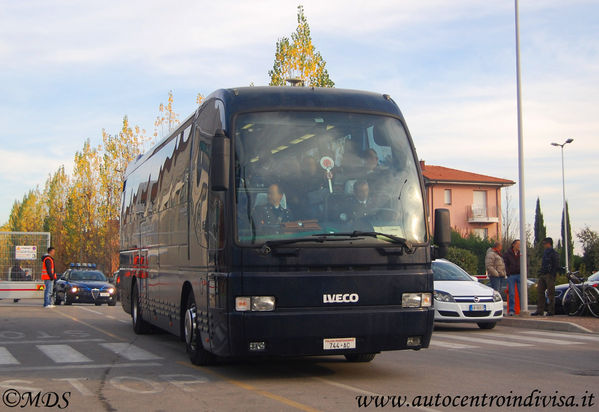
(303, 173)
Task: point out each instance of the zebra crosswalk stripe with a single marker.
(6, 358)
(128, 351)
(450, 345)
(63, 353)
(569, 336)
(536, 339)
(486, 341)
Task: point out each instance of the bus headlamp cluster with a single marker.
(255, 303)
(416, 300)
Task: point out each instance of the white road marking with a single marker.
(563, 335)
(128, 351)
(534, 339)
(63, 353)
(450, 345)
(6, 358)
(124, 321)
(91, 310)
(92, 366)
(45, 341)
(488, 342)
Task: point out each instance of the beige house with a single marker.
(473, 200)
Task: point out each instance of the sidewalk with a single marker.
(564, 323)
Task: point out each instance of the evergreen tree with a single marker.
(540, 229)
(297, 58)
(570, 246)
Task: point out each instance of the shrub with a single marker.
(464, 259)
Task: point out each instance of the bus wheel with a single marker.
(360, 357)
(197, 354)
(140, 326)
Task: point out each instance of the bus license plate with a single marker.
(339, 343)
(104, 294)
(477, 307)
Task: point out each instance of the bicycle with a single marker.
(580, 296)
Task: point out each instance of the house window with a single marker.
(482, 233)
(447, 196)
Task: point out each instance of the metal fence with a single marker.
(21, 255)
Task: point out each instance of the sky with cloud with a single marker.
(70, 68)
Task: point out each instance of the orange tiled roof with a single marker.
(446, 174)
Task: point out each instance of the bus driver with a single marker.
(273, 213)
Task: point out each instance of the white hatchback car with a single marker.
(460, 298)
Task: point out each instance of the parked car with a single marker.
(84, 284)
(593, 280)
(460, 298)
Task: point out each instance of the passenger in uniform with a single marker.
(360, 205)
(273, 213)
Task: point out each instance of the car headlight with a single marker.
(74, 289)
(443, 296)
(416, 300)
(497, 296)
(110, 290)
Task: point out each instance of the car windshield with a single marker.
(87, 275)
(449, 271)
(594, 277)
(304, 173)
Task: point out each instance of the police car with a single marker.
(83, 283)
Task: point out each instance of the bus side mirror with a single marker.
(221, 161)
(442, 232)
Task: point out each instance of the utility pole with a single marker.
(523, 239)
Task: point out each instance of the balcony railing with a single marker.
(482, 214)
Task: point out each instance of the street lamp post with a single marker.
(564, 202)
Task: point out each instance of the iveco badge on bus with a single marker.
(340, 298)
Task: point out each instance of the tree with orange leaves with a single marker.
(297, 58)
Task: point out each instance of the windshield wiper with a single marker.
(388, 237)
(321, 238)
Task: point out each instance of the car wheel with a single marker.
(360, 357)
(140, 326)
(67, 301)
(486, 325)
(112, 302)
(56, 299)
(193, 342)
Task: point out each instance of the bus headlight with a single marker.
(416, 300)
(263, 303)
(255, 303)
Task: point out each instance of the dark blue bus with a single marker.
(282, 221)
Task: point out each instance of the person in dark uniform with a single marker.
(546, 281)
(273, 213)
(360, 205)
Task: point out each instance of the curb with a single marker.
(544, 324)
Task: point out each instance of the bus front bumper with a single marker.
(303, 332)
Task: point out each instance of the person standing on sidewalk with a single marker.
(496, 267)
(511, 259)
(547, 274)
(48, 276)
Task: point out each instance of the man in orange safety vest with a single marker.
(48, 276)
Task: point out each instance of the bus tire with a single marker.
(140, 326)
(360, 357)
(193, 342)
